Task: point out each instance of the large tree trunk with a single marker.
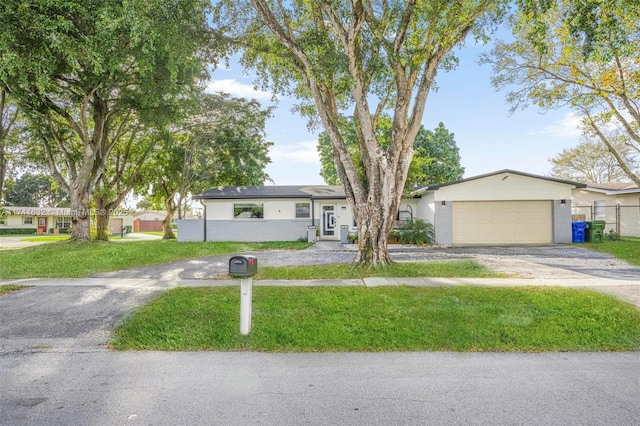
(376, 217)
(170, 206)
(104, 207)
(80, 213)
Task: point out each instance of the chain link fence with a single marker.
(623, 220)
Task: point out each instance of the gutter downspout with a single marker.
(205, 221)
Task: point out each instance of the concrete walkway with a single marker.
(628, 290)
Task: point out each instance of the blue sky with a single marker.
(488, 136)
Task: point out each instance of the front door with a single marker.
(42, 225)
(329, 221)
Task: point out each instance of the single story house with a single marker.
(504, 207)
(618, 204)
(50, 220)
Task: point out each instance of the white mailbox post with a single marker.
(244, 267)
(246, 288)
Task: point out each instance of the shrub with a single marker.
(416, 232)
(18, 231)
(611, 236)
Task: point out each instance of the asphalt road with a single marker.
(207, 388)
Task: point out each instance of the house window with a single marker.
(63, 222)
(248, 211)
(27, 220)
(303, 210)
(600, 209)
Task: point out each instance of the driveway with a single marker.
(525, 262)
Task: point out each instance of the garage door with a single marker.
(502, 222)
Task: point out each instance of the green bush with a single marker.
(18, 231)
(416, 232)
(611, 236)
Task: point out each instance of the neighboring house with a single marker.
(151, 220)
(504, 207)
(150, 215)
(51, 220)
(618, 204)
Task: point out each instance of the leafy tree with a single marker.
(336, 56)
(223, 145)
(582, 54)
(440, 158)
(79, 69)
(35, 190)
(436, 158)
(128, 168)
(591, 162)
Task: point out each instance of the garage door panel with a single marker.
(502, 222)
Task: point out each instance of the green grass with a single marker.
(10, 288)
(46, 238)
(68, 259)
(320, 319)
(445, 269)
(628, 248)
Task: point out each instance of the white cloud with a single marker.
(300, 152)
(235, 88)
(568, 127)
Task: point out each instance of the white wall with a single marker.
(505, 186)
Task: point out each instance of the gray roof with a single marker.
(273, 191)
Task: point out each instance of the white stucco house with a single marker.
(618, 204)
(504, 207)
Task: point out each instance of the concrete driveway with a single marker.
(525, 262)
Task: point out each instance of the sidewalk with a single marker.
(628, 290)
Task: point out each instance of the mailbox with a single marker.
(243, 266)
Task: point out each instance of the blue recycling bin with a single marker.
(579, 231)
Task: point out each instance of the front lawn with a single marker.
(319, 319)
(628, 248)
(46, 238)
(68, 259)
(442, 269)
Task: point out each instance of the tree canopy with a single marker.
(436, 158)
(582, 54)
(591, 162)
(35, 190)
(80, 69)
(223, 144)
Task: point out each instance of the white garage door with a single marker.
(502, 222)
